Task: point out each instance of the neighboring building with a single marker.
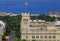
(3, 14)
(2, 29)
(34, 14)
(39, 30)
(54, 14)
(6, 14)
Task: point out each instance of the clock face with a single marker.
(25, 20)
(25, 23)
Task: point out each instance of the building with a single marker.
(8, 14)
(54, 14)
(2, 29)
(39, 30)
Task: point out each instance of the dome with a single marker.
(2, 23)
(41, 20)
(34, 20)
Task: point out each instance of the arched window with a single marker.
(41, 28)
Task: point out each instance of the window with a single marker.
(30, 25)
(49, 36)
(40, 40)
(33, 36)
(50, 40)
(41, 28)
(45, 36)
(54, 40)
(37, 36)
(54, 36)
(57, 40)
(26, 36)
(57, 25)
(41, 37)
(45, 40)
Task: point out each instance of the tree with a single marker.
(33, 40)
(24, 40)
(17, 39)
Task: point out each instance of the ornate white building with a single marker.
(2, 29)
(39, 30)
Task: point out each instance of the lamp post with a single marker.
(7, 38)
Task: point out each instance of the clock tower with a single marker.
(25, 20)
(24, 24)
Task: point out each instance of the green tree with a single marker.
(17, 39)
(33, 40)
(24, 40)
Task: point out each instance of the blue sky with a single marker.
(34, 6)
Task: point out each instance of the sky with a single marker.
(34, 6)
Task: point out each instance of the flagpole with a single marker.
(26, 4)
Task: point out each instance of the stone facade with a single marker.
(38, 30)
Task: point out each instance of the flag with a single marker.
(26, 3)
